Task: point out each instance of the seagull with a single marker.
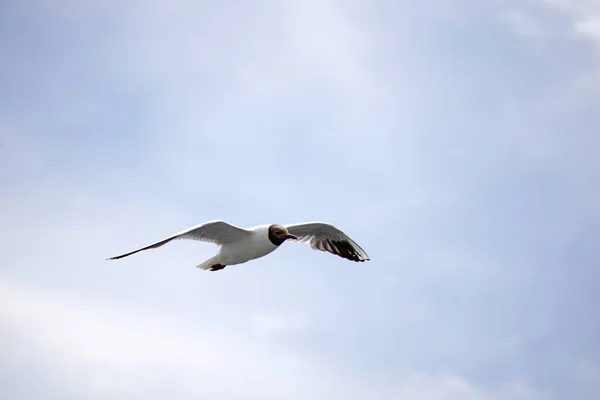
(238, 245)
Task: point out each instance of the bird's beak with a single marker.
(290, 236)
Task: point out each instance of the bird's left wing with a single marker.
(217, 232)
(326, 237)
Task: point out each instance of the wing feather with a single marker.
(326, 237)
(217, 232)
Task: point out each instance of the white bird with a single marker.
(238, 245)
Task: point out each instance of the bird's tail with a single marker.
(208, 263)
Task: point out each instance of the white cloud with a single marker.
(451, 387)
(571, 90)
(587, 380)
(523, 23)
(584, 15)
(129, 352)
(538, 19)
(70, 331)
(589, 27)
(272, 324)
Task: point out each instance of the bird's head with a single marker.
(279, 234)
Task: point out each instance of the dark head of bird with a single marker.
(279, 234)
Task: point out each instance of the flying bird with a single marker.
(238, 245)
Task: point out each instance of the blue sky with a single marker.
(455, 141)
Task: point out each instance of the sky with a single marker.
(455, 141)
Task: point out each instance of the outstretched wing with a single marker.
(217, 232)
(326, 237)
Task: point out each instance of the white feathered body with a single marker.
(255, 246)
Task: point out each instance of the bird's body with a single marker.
(255, 246)
(239, 245)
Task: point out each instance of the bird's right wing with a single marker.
(326, 237)
(217, 232)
